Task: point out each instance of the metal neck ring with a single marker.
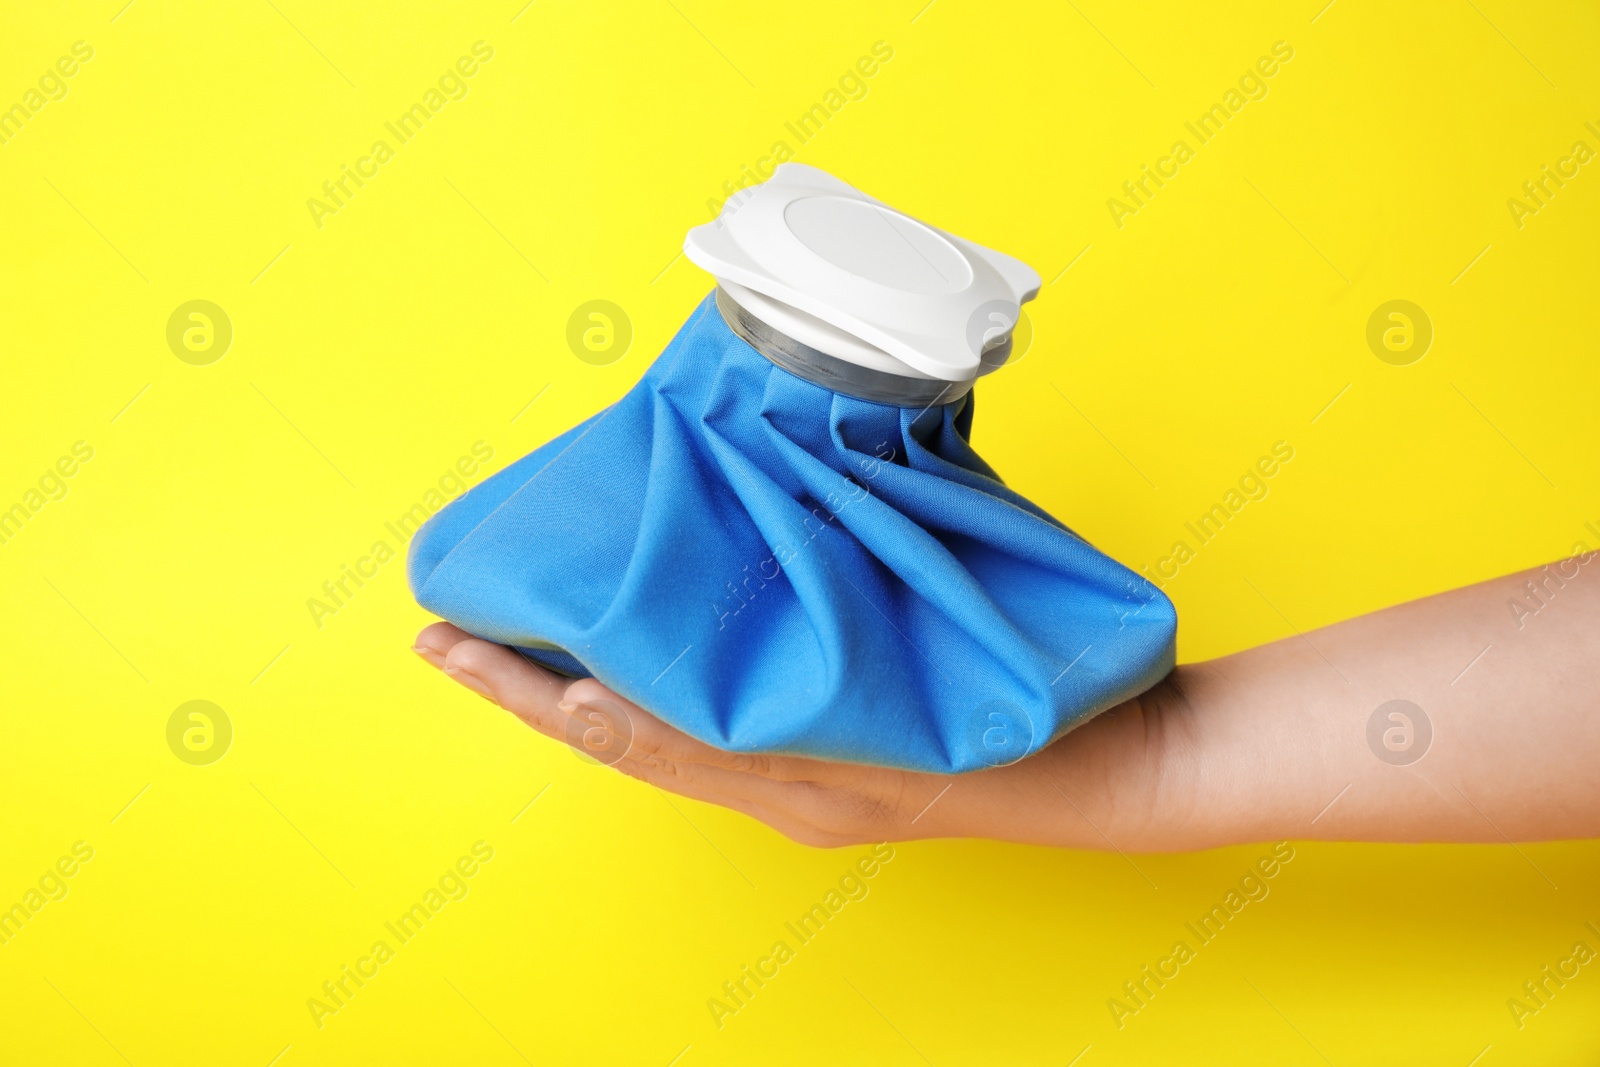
(831, 372)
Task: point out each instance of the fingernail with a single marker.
(566, 706)
(470, 680)
(432, 655)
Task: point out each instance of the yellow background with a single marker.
(371, 352)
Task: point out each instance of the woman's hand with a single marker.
(1498, 728)
(1107, 785)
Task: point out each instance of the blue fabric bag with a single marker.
(772, 566)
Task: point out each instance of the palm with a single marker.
(1091, 788)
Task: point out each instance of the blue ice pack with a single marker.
(772, 565)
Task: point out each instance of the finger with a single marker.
(800, 809)
(786, 823)
(719, 785)
(618, 732)
(647, 735)
(613, 727)
(844, 812)
(523, 688)
(435, 642)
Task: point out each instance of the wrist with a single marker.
(1127, 780)
(1249, 754)
(1170, 817)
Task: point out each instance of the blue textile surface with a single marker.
(774, 567)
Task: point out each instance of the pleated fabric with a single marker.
(774, 567)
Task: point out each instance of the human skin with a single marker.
(1266, 744)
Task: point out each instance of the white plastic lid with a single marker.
(852, 277)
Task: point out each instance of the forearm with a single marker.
(1274, 742)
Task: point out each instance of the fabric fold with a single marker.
(774, 567)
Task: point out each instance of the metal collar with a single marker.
(831, 372)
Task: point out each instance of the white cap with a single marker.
(851, 277)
